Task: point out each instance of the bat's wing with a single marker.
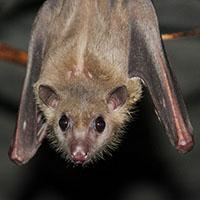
(147, 61)
(30, 130)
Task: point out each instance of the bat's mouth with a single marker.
(79, 158)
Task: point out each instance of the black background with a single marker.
(146, 166)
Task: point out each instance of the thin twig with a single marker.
(178, 35)
(8, 53)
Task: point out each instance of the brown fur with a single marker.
(86, 58)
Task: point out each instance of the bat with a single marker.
(87, 62)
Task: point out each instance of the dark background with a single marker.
(146, 166)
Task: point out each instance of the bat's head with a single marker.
(85, 118)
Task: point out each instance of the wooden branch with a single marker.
(178, 35)
(8, 53)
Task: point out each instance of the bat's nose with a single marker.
(79, 151)
(79, 157)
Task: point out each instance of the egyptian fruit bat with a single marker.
(87, 62)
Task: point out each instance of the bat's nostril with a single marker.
(79, 157)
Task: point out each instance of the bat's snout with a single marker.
(79, 151)
(79, 157)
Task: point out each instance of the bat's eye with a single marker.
(100, 124)
(64, 123)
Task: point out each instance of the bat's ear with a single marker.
(29, 129)
(147, 61)
(48, 96)
(117, 97)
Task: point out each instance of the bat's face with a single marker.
(81, 137)
(84, 122)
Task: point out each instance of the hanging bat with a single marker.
(87, 61)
